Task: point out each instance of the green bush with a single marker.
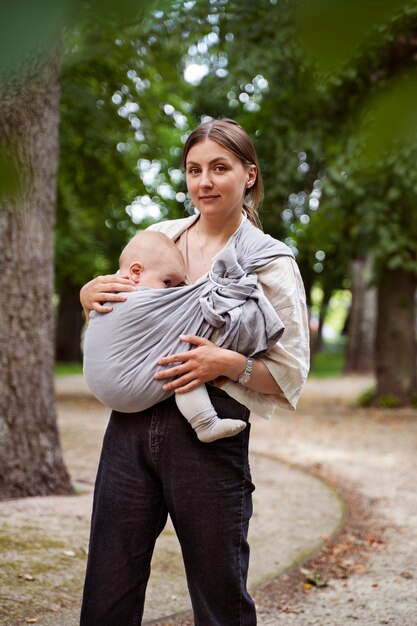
(367, 397)
(389, 402)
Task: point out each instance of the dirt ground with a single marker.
(371, 567)
(366, 575)
(44, 540)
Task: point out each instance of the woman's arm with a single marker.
(288, 360)
(207, 362)
(107, 288)
(277, 376)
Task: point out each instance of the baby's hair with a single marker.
(146, 244)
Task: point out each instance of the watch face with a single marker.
(245, 376)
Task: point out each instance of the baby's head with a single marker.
(153, 260)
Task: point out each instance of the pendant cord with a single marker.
(199, 244)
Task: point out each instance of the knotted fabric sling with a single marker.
(121, 348)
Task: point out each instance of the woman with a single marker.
(151, 463)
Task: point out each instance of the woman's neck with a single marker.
(218, 230)
(202, 241)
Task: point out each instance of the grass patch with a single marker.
(66, 369)
(327, 363)
(388, 401)
(367, 397)
(26, 539)
(38, 574)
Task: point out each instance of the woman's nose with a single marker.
(205, 180)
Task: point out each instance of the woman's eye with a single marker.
(220, 168)
(193, 170)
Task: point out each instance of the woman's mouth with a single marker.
(209, 197)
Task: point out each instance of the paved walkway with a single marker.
(293, 511)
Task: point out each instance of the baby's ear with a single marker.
(135, 271)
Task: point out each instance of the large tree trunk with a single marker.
(30, 457)
(360, 349)
(69, 325)
(396, 346)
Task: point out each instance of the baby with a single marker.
(152, 261)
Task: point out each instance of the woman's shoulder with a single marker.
(281, 282)
(173, 228)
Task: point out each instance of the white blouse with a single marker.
(288, 360)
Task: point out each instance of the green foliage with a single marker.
(305, 129)
(95, 180)
(112, 121)
(368, 90)
(327, 364)
(28, 28)
(307, 126)
(389, 401)
(367, 397)
(334, 32)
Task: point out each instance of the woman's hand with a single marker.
(197, 366)
(107, 288)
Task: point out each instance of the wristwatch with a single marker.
(247, 372)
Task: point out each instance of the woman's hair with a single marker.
(233, 137)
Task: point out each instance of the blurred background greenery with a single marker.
(326, 89)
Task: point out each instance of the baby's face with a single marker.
(167, 274)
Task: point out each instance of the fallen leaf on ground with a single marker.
(287, 609)
(313, 577)
(69, 553)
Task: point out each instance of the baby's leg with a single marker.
(200, 413)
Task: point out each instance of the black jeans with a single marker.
(152, 464)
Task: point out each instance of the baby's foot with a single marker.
(219, 428)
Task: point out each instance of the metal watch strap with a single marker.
(247, 373)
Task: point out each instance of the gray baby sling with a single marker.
(121, 348)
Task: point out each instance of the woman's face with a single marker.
(216, 179)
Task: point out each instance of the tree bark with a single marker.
(396, 346)
(30, 457)
(69, 325)
(360, 348)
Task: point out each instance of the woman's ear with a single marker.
(252, 174)
(135, 271)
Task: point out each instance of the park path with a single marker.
(372, 453)
(293, 512)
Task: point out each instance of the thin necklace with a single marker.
(187, 259)
(199, 244)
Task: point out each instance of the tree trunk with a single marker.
(360, 349)
(324, 307)
(69, 325)
(396, 346)
(30, 457)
